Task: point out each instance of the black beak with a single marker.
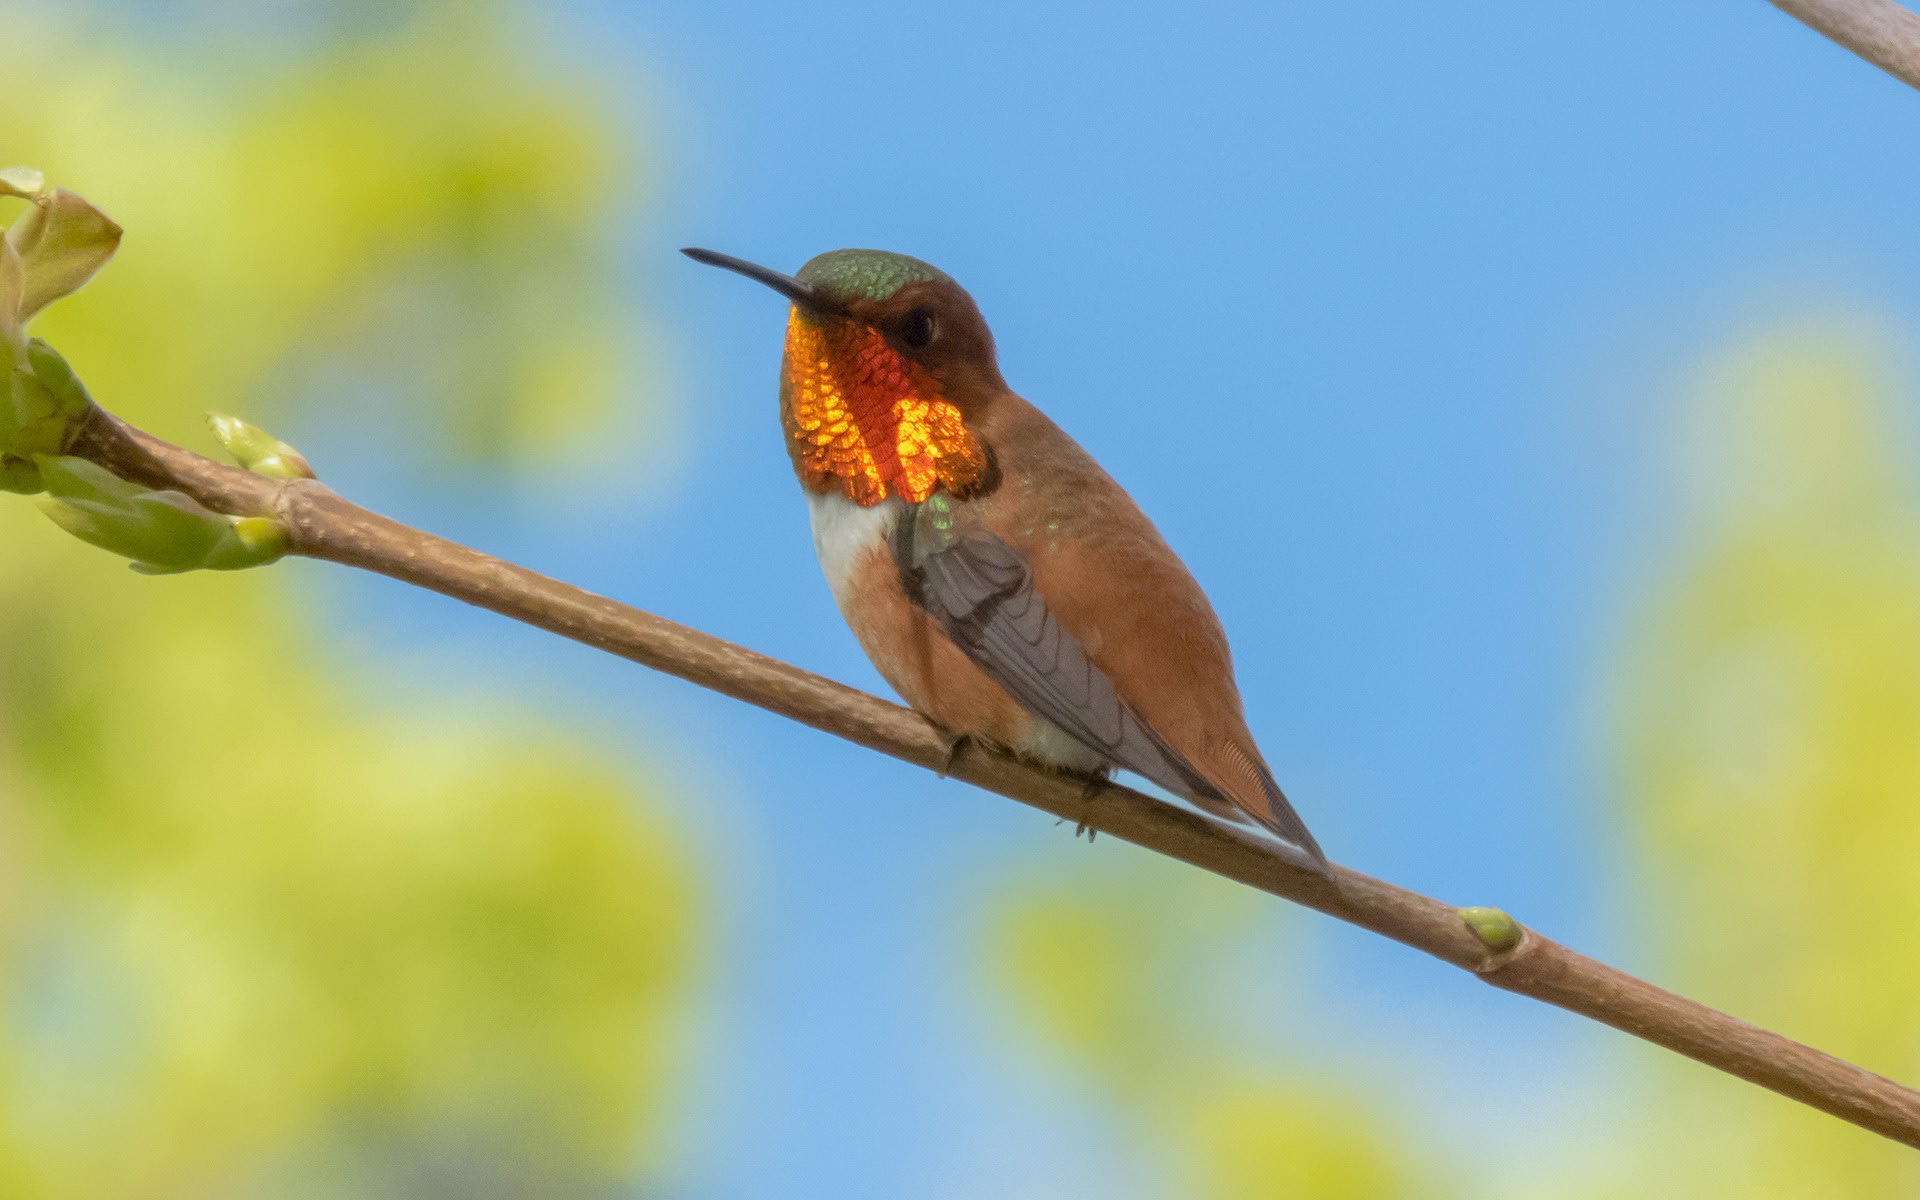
(786, 285)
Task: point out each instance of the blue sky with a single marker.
(1415, 279)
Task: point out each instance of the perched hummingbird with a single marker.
(1000, 580)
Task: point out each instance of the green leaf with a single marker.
(24, 182)
(163, 532)
(56, 246)
(13, 296)
(81, 479)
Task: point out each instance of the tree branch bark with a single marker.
(324, 526)
(1884, 33)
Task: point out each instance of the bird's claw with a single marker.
(1080, 827)
(1090, 789)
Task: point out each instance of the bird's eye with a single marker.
(918, 328)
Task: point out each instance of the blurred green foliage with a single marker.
(262, 934)
(415, 207)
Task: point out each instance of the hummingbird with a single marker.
(1000, 581)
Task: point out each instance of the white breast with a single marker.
(843, 530)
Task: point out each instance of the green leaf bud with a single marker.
(33, 423)
(257, 450)
(19, 475)
(1496, 930)
(53, 372)
(255, 542)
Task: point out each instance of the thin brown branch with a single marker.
(1884, 33)
(322, 525)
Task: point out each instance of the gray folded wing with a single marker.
(982, 593)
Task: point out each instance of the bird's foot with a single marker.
(1090, 789)
(956, 742)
